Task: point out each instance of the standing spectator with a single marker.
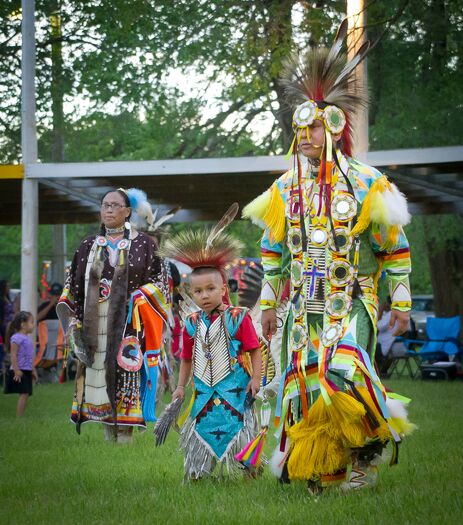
(21, 373)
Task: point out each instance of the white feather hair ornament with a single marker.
(142, 212)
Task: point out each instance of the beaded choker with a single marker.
(114, 230)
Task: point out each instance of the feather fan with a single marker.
(166, 420)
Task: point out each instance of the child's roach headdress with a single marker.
(205, 248)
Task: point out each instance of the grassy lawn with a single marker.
(49, 474)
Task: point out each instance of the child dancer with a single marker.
(21, 373)
(219, 345)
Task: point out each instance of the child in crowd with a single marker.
(221, 351)
(19, 377)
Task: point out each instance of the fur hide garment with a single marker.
(117, 314)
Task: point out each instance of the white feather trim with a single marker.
(277, 462)
(396, 206)
(397, 409)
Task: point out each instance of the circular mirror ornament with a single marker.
(331, 334)
(338, 304)
(335, 119)
(340, 273)
(298, 337)
(343, 239)
(294, 240)
(305, 114)
(343, 207)
(297, 272)
(319, 236)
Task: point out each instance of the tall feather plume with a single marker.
(228, 217)
(353, 63)
(337, 44)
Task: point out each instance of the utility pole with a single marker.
(356, 36)
(30, 198)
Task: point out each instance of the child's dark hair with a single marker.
(15, 326)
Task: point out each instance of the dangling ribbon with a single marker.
(150, 361)
(291, 148)
(324, 175)
(251, 454)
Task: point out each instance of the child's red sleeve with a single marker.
(246, 333)
(187, 350)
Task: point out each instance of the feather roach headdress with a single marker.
(323, 81)
(205, 248)
(323, 84)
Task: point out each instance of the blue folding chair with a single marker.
(442, 339)
(442, 343)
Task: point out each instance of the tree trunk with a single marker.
(445, 249)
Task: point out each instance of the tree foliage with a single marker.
(120, 58)
(120, 61)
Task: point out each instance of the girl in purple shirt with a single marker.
(22, 371)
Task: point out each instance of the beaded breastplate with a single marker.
(211, 356)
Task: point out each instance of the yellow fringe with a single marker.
(274, 217)
(320, 443)
(372, 204)
(382, 432)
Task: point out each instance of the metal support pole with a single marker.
(355, 38)
(29, 219)
(59, 253)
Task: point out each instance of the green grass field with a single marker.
(49, 474)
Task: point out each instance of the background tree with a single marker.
(113, 67)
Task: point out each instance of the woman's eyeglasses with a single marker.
(112, 206)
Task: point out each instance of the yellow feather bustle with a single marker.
(268, 208)
(319, 442)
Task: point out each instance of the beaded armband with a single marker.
(399, 290)
(271, 291)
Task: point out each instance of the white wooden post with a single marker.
(355, 38)
(29, 220)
